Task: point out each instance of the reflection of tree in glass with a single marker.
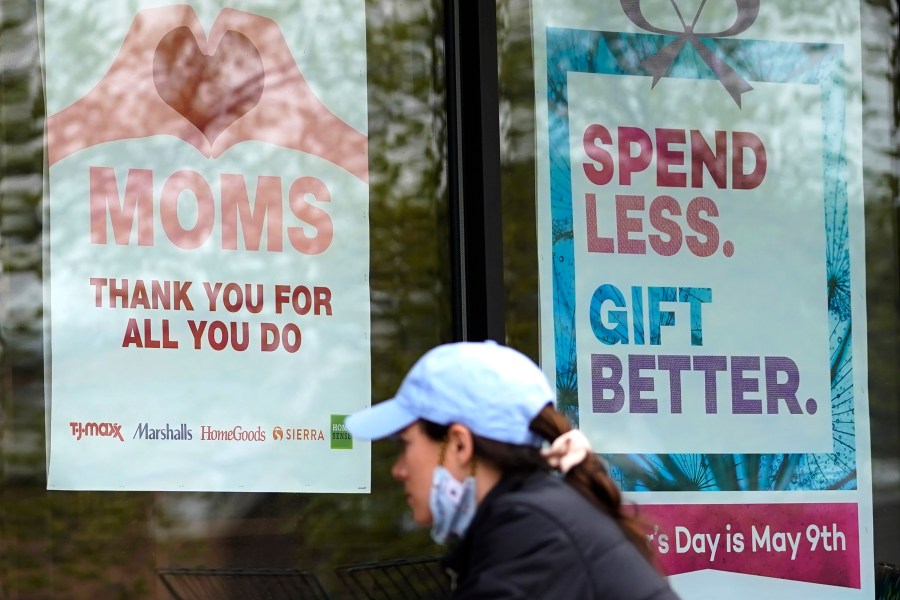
(103, 545)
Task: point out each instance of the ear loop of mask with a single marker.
(452, 502)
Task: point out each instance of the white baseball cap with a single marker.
(493, 390)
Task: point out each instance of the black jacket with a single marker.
(536, 537)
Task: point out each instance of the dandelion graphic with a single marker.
(838, 261)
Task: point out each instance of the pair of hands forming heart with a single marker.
(240, 83)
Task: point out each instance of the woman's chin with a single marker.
(422, 520)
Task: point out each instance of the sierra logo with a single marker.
(145, 432)
(80, 430)
(298, 434)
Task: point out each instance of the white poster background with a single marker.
(768, 298)
(284, 402)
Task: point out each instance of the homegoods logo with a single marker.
(80, 430)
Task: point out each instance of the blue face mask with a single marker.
(452, 504)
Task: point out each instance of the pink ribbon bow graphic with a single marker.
(659, 64)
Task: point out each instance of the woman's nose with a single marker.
(398, 471)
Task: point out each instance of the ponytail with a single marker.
(592, 480)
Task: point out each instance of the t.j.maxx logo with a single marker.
(80, 430)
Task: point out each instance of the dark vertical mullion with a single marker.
(474, 167)
(454, 160)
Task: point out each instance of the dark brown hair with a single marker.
(589, 477)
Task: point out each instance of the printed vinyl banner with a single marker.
(207, 245)
(702, 278)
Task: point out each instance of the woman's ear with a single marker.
(460, 449)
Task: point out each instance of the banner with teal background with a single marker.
(701, 251)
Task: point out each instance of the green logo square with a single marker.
(340, 437)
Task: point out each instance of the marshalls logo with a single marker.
(145, 432)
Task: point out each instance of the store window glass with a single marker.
(87, 544)
(521, 193)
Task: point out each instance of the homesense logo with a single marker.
(145, 432)
(80, 430)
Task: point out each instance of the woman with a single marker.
(472, 418)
